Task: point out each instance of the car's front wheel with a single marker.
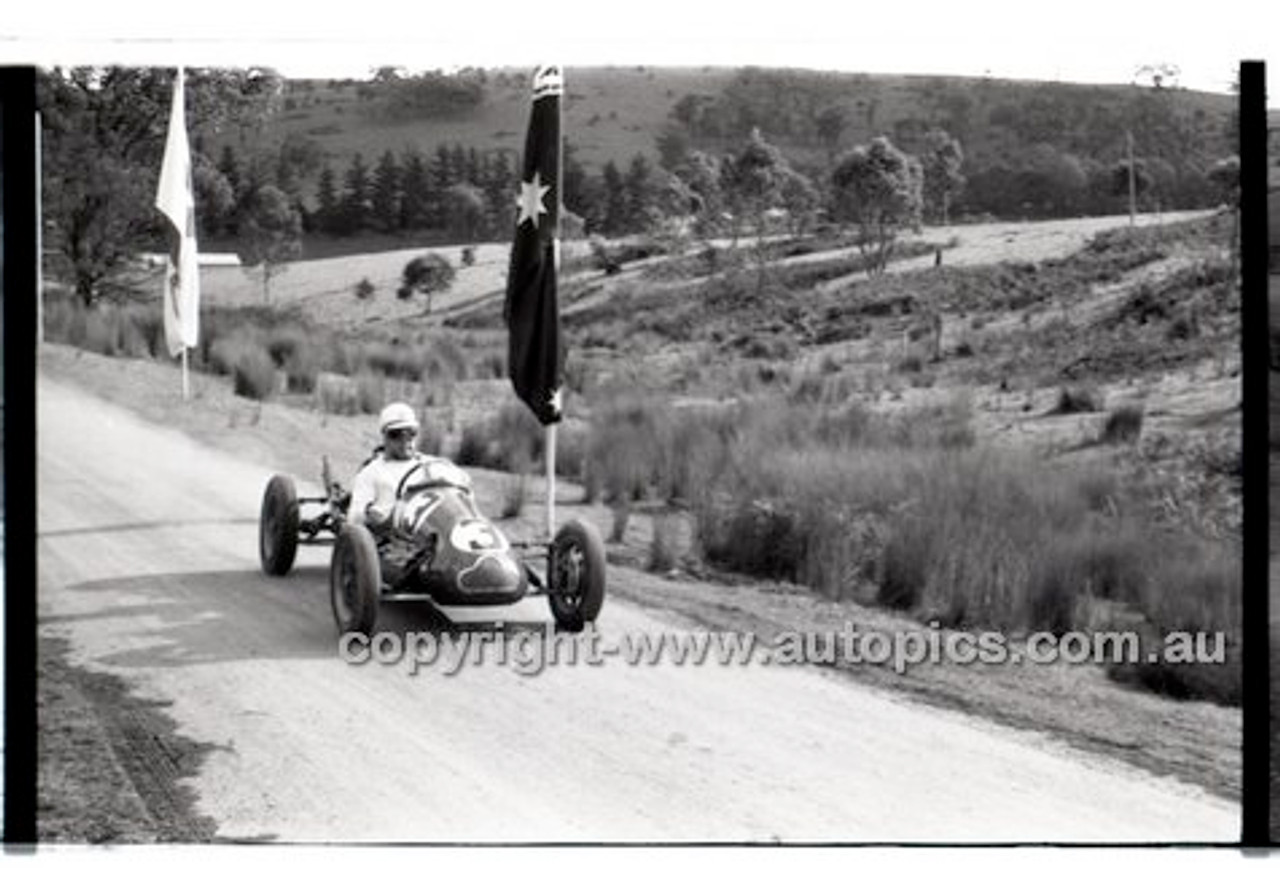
(278, 526)
(355, 581)
(576, 576)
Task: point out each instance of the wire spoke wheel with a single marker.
(576, 573)
(278, 526)
(355, 581)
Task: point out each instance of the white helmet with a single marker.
(397, 415)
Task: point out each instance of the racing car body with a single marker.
(436, 545)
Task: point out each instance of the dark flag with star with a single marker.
(536, 351)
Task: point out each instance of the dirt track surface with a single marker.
(148, 569)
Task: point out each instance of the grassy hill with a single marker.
(612, 113)
(1058, 450)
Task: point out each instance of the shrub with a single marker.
(101, 332)
(1123, 425)
(625, 449)
(517, 438)
(301, 371)
(621, 508)
(473, 446)
(911, 363)
(1072, 399)
(1196, 590)
(964, 549)
(662, 557)
(283, 344)
(364, 289)
(254, 373)
(337, 394)
(513, 494)
(371, 391)
(430, 434)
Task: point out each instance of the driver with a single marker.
(373, 491)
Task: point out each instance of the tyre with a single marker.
(278, 526)
(355, 582)
(576, 575)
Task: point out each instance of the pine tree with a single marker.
(439, 177)
(229, 165)
(638, 190)
(457, 164)
(385, 194)
(415, 192)
(327, 210)
(355, 197)
(615, 200)
(500, 190)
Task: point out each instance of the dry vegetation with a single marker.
(1062, 458)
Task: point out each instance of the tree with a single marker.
(702, 175)
(327, 206)
(831, 125)
(465, 208)
(384, 200)
(270, 233)
(428, 274)
(1142, 181)
(673, 145)
(214, 196)
(942, 178)
(801, 200)
(104, 133)
(299, 159)
(499, 190)
(1225, 177)
(879, 188)
(639, 188)
(415, 192)
(229, 166)
(355, 197)
(1160, 74)
(751, 183)
(615, 200)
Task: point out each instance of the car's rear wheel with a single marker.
(576, 575)
(355, 582)
(278, 526)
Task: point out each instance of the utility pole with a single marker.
(1133, 186)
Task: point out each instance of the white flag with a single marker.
(176, 201)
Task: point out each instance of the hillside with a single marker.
(614, 113)
(1058, 449)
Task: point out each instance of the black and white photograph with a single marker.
(790, 440)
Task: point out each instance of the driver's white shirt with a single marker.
(375, 485)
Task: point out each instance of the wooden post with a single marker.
(1133, 186)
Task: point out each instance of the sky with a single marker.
(1090, 41)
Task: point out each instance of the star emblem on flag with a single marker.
(531, 193)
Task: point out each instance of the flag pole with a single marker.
(551, 429)
(186, 386)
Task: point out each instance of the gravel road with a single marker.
(148, 568)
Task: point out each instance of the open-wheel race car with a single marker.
(436, 545)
